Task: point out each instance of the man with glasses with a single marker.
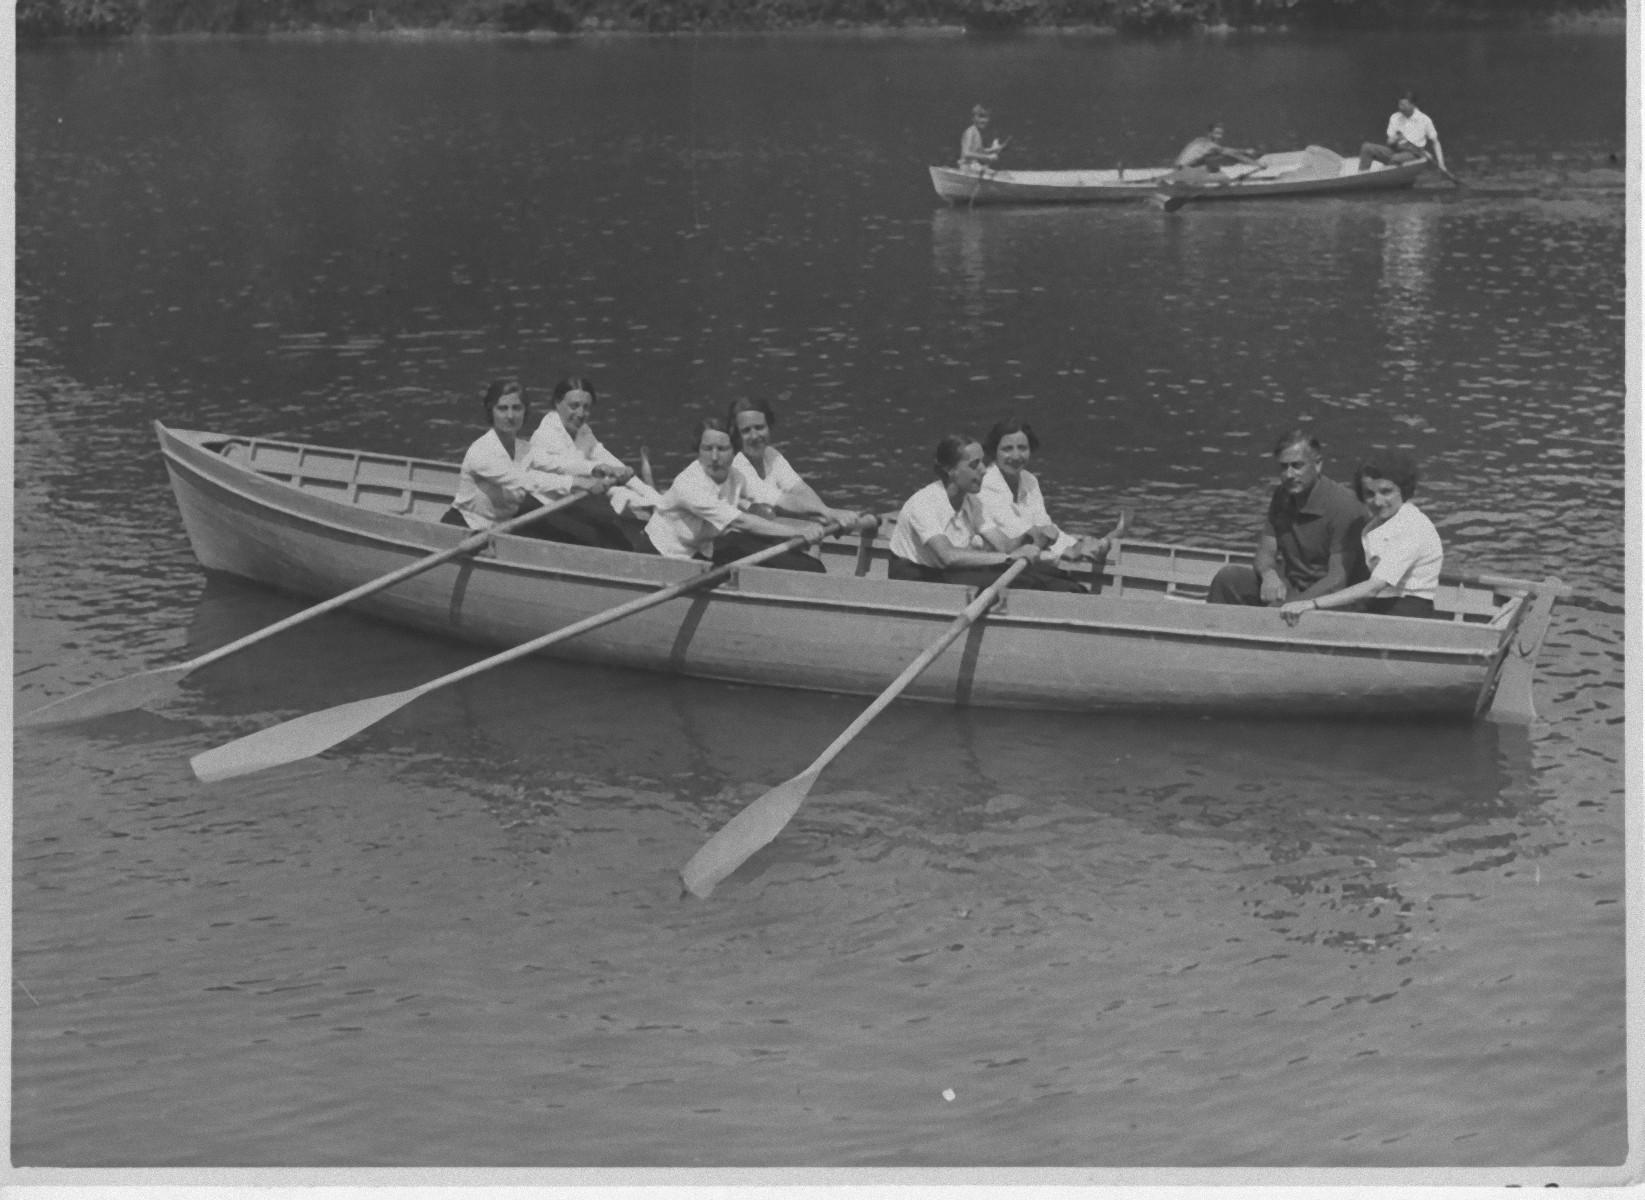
(1309, 544)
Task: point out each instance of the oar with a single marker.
(305, 736)
(764, 819)
(1434, 162)
(134, 691)
(1171, 201)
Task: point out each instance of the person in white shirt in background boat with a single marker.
(944, 535)
(1013, 502)
(773, 487)
(498, 479)
(1402, 548)
(974, 154)
(565, 444)
(1410, 133)
(707, 500)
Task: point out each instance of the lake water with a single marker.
(989, 940)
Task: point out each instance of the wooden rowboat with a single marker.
(317, 521)
(1315, 171)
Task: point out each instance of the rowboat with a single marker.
(318, 521)
(1315, 171)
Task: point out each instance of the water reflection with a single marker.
(1409, 244)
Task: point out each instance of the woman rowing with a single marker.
(498, 479)
(1402, 548)
(944, 535)
(707, 502)
(773, 487)
(1013, 503)
(565, 445)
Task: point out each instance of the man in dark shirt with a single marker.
(1310, 541)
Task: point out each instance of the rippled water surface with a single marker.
(989, 939)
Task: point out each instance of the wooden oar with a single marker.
(1171, 201)
(764, 819)
(984, 170)
(134, 691)
(1434, 162)
(305, 736)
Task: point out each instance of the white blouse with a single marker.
(1016, 515)
(693, 511)
(779, 477)
(928, 513)
(1405, 553)
(557, 450)
(493, 483)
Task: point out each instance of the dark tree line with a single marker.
(105, 18)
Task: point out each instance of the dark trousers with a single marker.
(1037, 577)
(588, 522)
(1401, 606)
(729, 547)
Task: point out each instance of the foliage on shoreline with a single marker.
(114, 18)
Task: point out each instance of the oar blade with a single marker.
(297, 739)
(745, 834)
(105, 699)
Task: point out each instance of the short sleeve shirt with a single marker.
(1417, 128)
(1405, 554)
(929, 513)
(693, 511)
(1328, 520)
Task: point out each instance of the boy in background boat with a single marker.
(974, 154)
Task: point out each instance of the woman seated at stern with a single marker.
(498, 480)
(565, 445)
(707, 501)
(773, 487)
(1402, 548)
(1013, 502)
(944, 534)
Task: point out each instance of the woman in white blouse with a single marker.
(1403, 550)
(944, 533)
(498, 480)
(773, 486)
(708, 501)
(565, 444)
(1013, 502)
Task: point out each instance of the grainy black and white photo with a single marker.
(881, 591)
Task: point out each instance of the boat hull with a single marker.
(285, 515)
(1315, 172)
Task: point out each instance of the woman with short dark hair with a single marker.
(706, 503)
(1403, 551)
(1012, 500)
(944, 534)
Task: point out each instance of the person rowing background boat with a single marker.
(1202, 160)
(974, 154)
(1410, 132)
(707, 501)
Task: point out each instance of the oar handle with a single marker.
(638, 604)
(474, 542)
(984, 600)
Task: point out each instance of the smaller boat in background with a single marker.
(1315, 171)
